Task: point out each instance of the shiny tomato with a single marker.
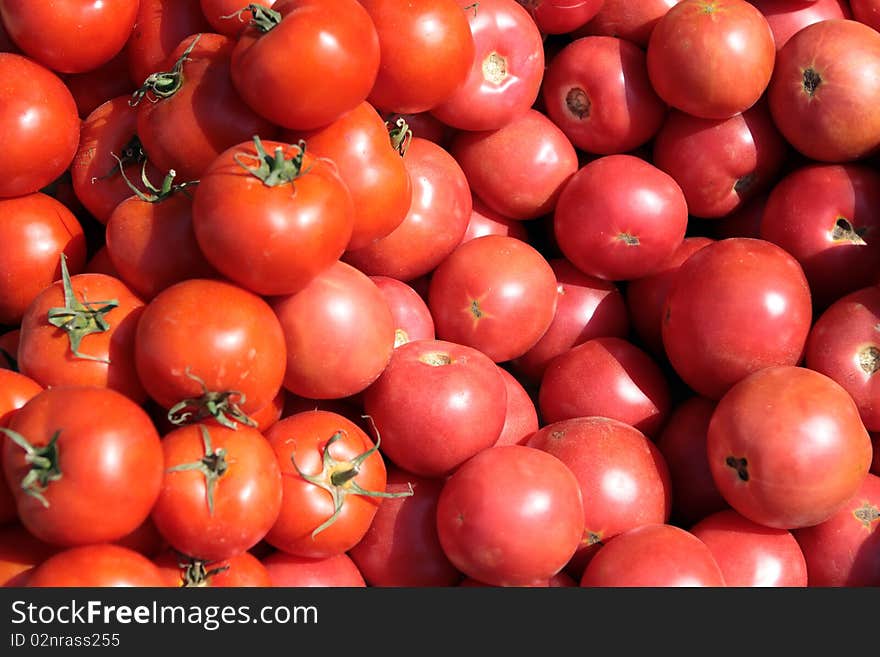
(409, 312)
(797, 465)
(521, 416)
(287, 570)
(221, 491)
(241, 570)
(625, 19)
(97, 565)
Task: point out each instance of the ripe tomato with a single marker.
(786, 17)
(485, 221)
(797, 465)
(20, 551)
(221, 491)
(97, 565)
(633, 21)
(485, 287)
(84, 463)
(521, 416)
(37, 116)
(300, 216)
(409, 312)
(505, 487)
(561, 16)
(866, 11)
(337, 48)
(241, 570)
(92, 89)
(711, 58)
(230, 17)
(287, 570)
(15, 391)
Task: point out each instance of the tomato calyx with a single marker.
(44, 462)
(263, 18)
(844, 231)
(163, 84)
(338, 479)
(401, 135)
(223, 406)
(276, 169)
(811, 81)
(80, 318)
(132, 153)
(740, 465)
(869, 360)
(212, 465)
(156, 194)
(578, 103)
(196, 573)
(867, 514)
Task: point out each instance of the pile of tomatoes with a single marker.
(439, 293)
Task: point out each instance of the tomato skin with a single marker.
(736, 306)
(43, 31)
(341, 47)
(287, 570)
(496, 489)
(633, 21)
(485, 221)
(246, 498)
(289, 237)
(241, 570)
(561, 16)
(20, 551)
(37, 115)
(412, 319)
(488, 285)
(787, 17)
(15, 391)
(521, 417)
(35, 231)
(92, 89)
(96, 565)
(436, 404)
(110, 460)
(653, 556)
(797, 466)
(506, 70)
(711, 58)
(866, 11)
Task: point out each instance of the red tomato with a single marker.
(736, 306)
(520, 169)
(521, 417)
(98, 565)
(845, 549)
(598, 92)
(825, 87)
(426, 53)
(337, 48)
(230, 17)
(9, 350)
(633, 21)
(435, 224)
(15, 391)
(36, 230)
(866, 11)
(622, 476)
(92, 89)
(485, 287)
(624, 384)
(561, 16)
(37, 116)
(300, 216)
(711, 58)
(620, 218)
(100, 465)
(43, 31)
(720, 163)
(506, 69)
(226, 363)
(145, 539)
(241, 570)
(505, 487)
(100, 263)
(436, 405)
(828, 216)
(485, 221)
(786, 17)
(654, 556)
(20, 551)
(287, 570)
(797, 465)
(221, 492)
(409, 312)
(750, 554)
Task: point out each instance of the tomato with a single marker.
(586, 308)
(228, 362)
(598, 92)
(145, 539)
(97, 565)
(506, 69)
(797, 465)
(744, 222)
(786, 17)
(711, 58)
(426, 53)
(654, 556)
(422, 124)
(521, 416)
(488, 285)
(9, 350)
(37, 116)
(6, 44)
(620, 218)
(633, 21)
(866, 11)
(43, 31)
(833, 232)
(300, 216)
(286, 570)
(845, 549)
(97, 316)
(750, 554)
(825, 87)
(221, 491)
(683, 445)
(720, 163)
(36, 230)
(15, 390)
(844, 345)
(434, 225)
(92, 89)
(505, 487)
(241, 570)
(409, 312)
(624, 384)
(561, 16)
(230, 17)
(737, 305)
(623, 478)
(100, 465)
(436, 405)
(370, 164)
(485, 221)
(336, 54)
(20, 551)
